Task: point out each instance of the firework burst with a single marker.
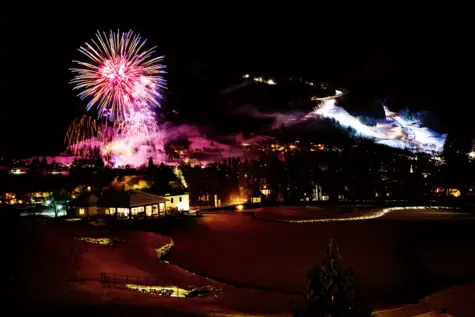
(123, 81)
(121, 77)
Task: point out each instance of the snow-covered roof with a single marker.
(85, 200)
(138, 198)
(112, 198)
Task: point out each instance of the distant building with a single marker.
(177, 195)
(85, 206)
(23, 189)
(255, 197)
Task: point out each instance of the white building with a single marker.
(84, 206)
(179, 201)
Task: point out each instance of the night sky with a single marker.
(426, 61)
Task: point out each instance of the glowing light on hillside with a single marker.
(374, 215)
(171, 291)
(263, 80)
(16, 171)
(179, 174)
(103, 241)
(393, 131)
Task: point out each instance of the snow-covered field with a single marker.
(394, 261)
(252, 263)
(46, 272)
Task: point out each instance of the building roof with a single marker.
(127, 199)
(177, 192)
(85, 200)
(140, 198)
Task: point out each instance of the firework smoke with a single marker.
(279, 119)
(82, 135)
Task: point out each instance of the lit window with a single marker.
(82, 211)
(123, 212)
(155, 210)
(111, 211)
(148, 211)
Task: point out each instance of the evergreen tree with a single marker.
(455, 154)
(151, 166)
(59, 198)
(330, 290)
(99, 162)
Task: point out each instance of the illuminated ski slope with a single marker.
(393, 131)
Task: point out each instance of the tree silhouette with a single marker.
(150, 166)
(455, 154)
(330, 289)
(58, 199)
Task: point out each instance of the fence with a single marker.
(121, 280)
(141, 284)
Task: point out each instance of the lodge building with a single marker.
(127, 204)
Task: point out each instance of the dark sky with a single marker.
(421, 58)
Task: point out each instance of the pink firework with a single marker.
(121, 77)
(123, 80)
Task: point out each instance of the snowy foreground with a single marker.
(47, 212)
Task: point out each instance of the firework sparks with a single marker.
(82, 135)
(121, 77)
(140, 125)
